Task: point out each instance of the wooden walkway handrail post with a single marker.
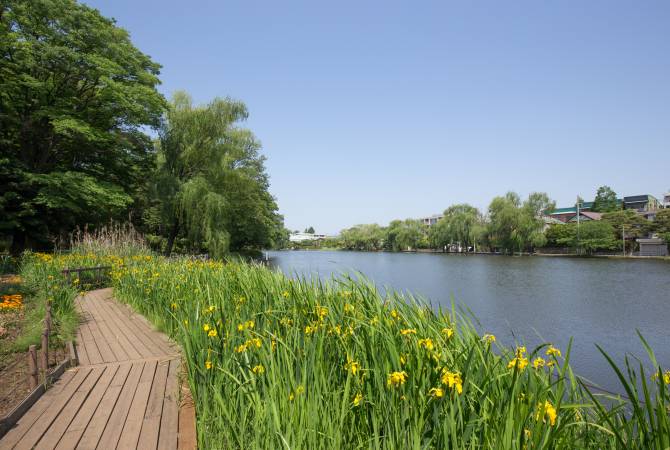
(32, 367)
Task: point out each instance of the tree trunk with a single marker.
(174, 230)
(18, 242)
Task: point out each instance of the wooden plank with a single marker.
(34, 413)
(110, 437)
(78, 425)
(122, 323)
(122, 348)
(89, 342)
(62, 421)
(37, 429)
(187, 437)
(169, 430)
(152, 416)
(98, 422)
(81, 350)
(141, 330)
(133, 425)
(101, 343)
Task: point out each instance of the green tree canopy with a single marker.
(593, 235)
(605, 200)
(75, 95)
(514, 226)
(369, 237)
(461, 224)
(211, 184)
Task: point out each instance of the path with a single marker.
(124, 394)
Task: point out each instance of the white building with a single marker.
(666, 200)
(432, 220)
(302, 237)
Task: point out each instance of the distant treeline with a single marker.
(509, 226)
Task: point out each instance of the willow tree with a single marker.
(211, 183)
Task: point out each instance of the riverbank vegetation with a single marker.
(274, 362)
(79, 107)
(509, 226)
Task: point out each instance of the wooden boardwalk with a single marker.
(124, 394)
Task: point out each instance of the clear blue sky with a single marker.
(375, 110)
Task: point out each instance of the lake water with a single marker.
(527, 299)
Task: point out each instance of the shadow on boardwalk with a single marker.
(124, 394)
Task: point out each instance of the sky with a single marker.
(370, 111)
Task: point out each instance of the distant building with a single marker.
(641, 203)
(585, 216)
(653, 247)
(302, 237)
(666, 200)
(432, 220)
(565, 214)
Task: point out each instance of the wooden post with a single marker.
(32, 367)
(44, 355)
(74, 358)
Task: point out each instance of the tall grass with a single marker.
(281, 363)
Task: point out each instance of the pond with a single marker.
(527, 299)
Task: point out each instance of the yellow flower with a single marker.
(520, 351)
(448, 332)
(310, 330)
(348, 308)
(240, 327)
(553, 351)
(427, 344)
(546, 411)
(403, 360)
(321, 312)
(452, 380)
(395, 315)
(436, 392)
(396, 379)
(488, 338)
(205, 327)
(241, 348)
(666, 376)
(212, 333)
(408, 331)
(258, 370)
(185, 322)
(300, 389)
(374, 321)
(208, 365)
(352, 366)
(518, 362)
(174, 305)
(286, 322)
(249, 324)
(358, 399)
(538, 363)
(285, 294)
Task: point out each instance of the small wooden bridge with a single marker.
(124, 394)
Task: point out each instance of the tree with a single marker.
(366, 237)
(661, 224)
(593, 235)
(605, 200)
(309, 230)
(211, 183)
(75, 95)
(518, 227)
(460, 224)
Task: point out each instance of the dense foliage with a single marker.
(74, 96)
(211, 184)
(76, 100)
